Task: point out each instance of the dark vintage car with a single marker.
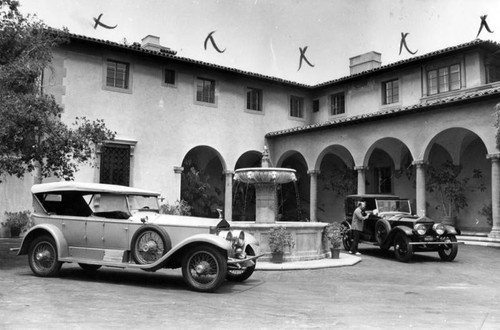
(392, 224)
(97, 225)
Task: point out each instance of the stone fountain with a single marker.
(307, 235)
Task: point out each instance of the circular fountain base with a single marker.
(308, 239)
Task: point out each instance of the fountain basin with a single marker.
(260, 175)
(308, 239)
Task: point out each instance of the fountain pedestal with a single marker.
(266, 203)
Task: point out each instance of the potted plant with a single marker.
(333, 234)
(17, 221)
(278, 239)
(451, 190)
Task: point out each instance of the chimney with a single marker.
(364, 62)
(152, 43)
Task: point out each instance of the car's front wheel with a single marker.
(239, 275)
(448, 252)
(402, 247)
(204, 268)
(42, 257)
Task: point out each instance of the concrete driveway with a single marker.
(376, 293)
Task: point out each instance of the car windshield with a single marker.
(401, 205)
(142, 203)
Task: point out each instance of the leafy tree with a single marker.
(32, 135)
(198, 192)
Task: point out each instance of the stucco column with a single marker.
(361, 179)
(420, 193)
(228, 196)
(495, 194)
(178, 175)
(313, 174)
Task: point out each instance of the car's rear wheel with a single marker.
(382, 229)
(347, 239)
(402, 247)
(448, 252)
(42, 257)
(149, 244)
(204, 268)
(239, 275)
(89, 267)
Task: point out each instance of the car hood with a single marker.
(397, 216)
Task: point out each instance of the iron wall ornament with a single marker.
(211, 38)
(303, 57)
(483, 24)
(98, 22)
(403, 43)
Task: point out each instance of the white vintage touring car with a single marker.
(98, 225)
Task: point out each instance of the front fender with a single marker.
(450, 230)
(45, 229)
(211, 239)
(398, 229)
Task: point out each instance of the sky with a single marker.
(266, 36)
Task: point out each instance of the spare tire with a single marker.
(149, 244)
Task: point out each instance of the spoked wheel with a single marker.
(149, 244)
(448, 252)
(89, 267)
(239, 275)
(347, 240)
(42, 257)
(204, 268)
(402, 247)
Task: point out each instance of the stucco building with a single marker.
(383, 125)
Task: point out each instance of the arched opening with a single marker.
(202, 181)
(390, 169)
(458, 180)
(293, 197)
(243, 200)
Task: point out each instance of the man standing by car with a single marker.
(358, 218)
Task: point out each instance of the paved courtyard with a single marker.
(376, 293)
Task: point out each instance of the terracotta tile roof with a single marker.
(416, 59)
(172, 55)
(136, 47)
(393, 112)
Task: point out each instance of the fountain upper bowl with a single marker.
(274, 175)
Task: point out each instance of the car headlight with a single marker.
(227, 235)
(238, 238)
(439, 228)
(420, 229)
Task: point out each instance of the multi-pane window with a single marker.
(254, 99)
(117, 74)
(205, 90)
(296, 107)
(390, 91)
(169, 77)
(337, 104)
(443, 79)
(115, 164)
